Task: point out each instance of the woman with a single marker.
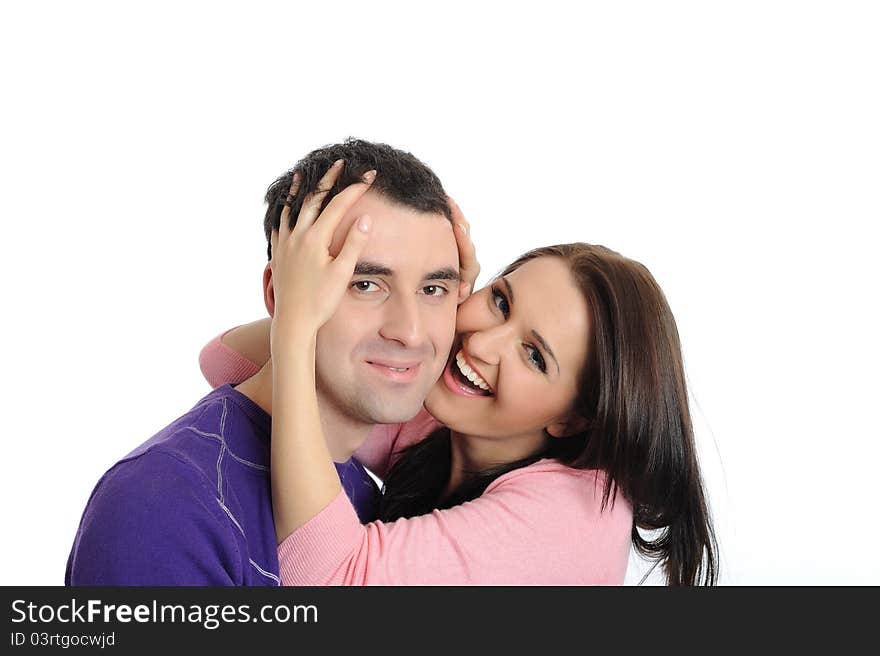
(559, 429)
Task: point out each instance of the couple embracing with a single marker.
(528, 433)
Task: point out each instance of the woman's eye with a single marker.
(364, 286)
(536, 359)
(500, 301)
(434, 290)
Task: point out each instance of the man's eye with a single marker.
(434, 290)
(364, 286)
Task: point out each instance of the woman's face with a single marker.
(520, 345)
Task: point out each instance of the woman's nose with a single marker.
(487, 344)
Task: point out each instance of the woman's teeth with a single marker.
(469, 373)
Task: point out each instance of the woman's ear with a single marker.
(268, 290)
(571, 424)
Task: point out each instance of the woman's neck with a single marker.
(472, 453)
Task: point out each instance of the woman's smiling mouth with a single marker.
(470, 373)
(463, 380)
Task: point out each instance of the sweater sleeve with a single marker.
(221, 364)
(152, 521)
(541, 525)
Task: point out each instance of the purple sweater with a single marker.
(193, 505)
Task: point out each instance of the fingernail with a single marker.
(364, 224)
(338, 163)
(296, 177)
(462, 227)
(466, 288)
(369, 176)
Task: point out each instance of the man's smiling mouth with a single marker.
(402, 372)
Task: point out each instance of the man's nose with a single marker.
(402, 322)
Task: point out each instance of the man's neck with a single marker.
(343, 435)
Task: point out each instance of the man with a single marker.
(192, 505)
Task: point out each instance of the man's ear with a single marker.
(567, 426)
(268, 290)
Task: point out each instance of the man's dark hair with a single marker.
(400, 177)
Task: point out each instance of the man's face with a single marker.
(389, 339)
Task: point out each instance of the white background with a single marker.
(733, 148)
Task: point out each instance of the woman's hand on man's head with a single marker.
(469, 268)
(308, 282)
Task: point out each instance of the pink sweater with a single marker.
(538, 525)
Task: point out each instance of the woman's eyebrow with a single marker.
(537, 336)
(509, 289)
(547, 348)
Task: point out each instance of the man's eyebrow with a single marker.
(447, 273)
(367, 268)
(535, 333)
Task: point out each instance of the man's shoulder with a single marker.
(157, 478)
(189, 460)
(219, 423)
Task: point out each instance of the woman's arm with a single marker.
(308, 283)
(237, 354)
(543, 524)
(251, 340)
(221, 364)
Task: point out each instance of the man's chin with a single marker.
(396, 413)
(400, 418)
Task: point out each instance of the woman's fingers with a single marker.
(467, 255)
(284, 224)
(457, 215)
(352, 248)
(311, 206)
(329, 219)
